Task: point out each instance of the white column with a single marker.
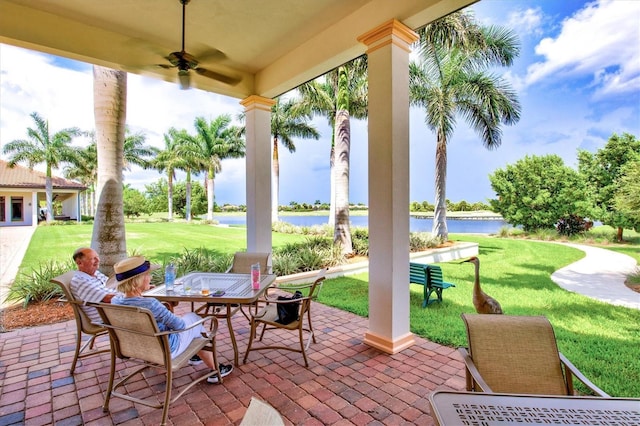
(388, 51)
(258, 161)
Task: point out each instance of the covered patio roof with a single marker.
(270, 46)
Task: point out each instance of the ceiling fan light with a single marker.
(183, 79)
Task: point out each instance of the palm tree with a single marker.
(217, 142)
(43, 147)
(170, 160)
(84, 168)
(341, 95)
(110, 99)
(189, 150)
(452, 79)
(84, 163)
(136, 152)
(288, 120)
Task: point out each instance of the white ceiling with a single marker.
(271, 46)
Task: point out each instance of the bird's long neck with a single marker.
(476, 284)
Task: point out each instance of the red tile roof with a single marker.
(21, 177)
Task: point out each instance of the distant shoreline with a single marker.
(470, 215)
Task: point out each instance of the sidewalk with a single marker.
(14, 241)
(600, 275)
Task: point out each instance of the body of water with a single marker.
(456, 226)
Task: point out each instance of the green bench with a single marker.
(430, 277)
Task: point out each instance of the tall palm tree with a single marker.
(217, 141)
(84, 163)
(288, 120)
(43, 147)
(84, 168)
(190, 151)
(342, 95)
(110, 100)
(170, 160)
(136, 152)
(452, 79)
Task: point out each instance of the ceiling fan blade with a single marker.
(227, 79)
(210, 55)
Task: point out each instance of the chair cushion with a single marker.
(515, 354)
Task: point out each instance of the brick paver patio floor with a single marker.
(347, 382)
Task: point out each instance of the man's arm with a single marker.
(107, 298)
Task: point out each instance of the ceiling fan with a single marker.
(185, 62)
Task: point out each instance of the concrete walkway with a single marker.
(14, 241)
(600, 275)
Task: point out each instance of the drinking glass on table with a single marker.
(204, 288)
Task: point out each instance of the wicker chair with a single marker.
(83, 323)
(136, 338)
(268, 316)
(517, 354)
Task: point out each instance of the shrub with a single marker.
(423, 240)
(36, 285)
(572, 224)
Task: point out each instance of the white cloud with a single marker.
(528, 21)
(599, 41)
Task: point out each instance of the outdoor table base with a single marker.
(490, 409)
(236, 287)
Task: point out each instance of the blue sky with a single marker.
(577, 78)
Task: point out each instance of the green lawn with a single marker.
(601, 340)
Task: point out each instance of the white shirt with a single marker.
(86, 288)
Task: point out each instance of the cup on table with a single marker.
(255, 276)
(204, 288)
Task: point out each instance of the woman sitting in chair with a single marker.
(133, 277)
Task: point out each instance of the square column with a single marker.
(258, 165)
(389, 46)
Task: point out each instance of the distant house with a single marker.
(22, 196)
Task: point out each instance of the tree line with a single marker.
(539, 192)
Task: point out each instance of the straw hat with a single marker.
(130, 268)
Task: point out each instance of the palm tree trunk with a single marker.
(170, 194)
(49, 194)
(110, 101)
(332, 181)
(187, 207)
(440, 213)
(210, 178)
(342, 232)
(275, 201)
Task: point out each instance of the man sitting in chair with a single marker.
(133, 276)
(88, 284)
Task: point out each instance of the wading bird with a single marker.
(483, 303)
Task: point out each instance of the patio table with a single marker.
(492, 409)
(236, 287)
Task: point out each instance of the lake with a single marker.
(456, 226)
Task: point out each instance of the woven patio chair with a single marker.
(83, 323)
(268, 318)
(136, 339)
(517, 354)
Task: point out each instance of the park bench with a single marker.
(430, 277)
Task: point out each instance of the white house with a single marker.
(22, 195)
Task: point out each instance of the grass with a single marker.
(600, 339)
(156, 241)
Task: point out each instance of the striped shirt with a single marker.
(165, 318)
(92, 289)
